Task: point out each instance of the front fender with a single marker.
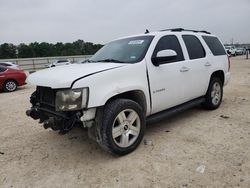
(107, 84)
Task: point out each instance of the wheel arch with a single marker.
(219, 74)
(135, 95)
(11, 79)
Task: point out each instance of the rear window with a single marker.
(194, 47)
(215, 45)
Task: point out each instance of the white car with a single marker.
(129, 81)
(231, 50)
(58, 63)
(10, 65)
(240, 51)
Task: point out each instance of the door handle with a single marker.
(207, 64)
(184, 69)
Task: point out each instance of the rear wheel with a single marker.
(214, 94)
(123, 126)
(10, 85)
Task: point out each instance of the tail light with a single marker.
(229, 63)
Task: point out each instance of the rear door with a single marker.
(199, 65)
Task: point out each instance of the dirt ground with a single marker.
(196, 148)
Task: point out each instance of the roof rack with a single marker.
(181, 29)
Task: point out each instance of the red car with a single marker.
(10, 79)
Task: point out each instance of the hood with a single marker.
(64, 76)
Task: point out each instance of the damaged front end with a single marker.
(59, 110)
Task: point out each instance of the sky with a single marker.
(100, 21)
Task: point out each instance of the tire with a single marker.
(10, 86)
(118, 135)
(214, 94)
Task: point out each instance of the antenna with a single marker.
(147, 31)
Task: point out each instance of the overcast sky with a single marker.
(100, 21)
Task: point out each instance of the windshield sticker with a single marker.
(136, 42)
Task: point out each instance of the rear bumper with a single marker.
(227, 78)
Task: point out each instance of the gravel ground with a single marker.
(196, 148)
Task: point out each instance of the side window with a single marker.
(194, 47)
(214, 45)
(169, 42)
(2, 69)
(4, 64)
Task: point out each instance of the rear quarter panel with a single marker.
(219, 62)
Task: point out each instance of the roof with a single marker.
(168, 31)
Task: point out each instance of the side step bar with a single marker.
(174, 110)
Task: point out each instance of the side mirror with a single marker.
(163, 56)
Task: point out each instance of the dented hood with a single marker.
(64, 76)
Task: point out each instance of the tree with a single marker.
(35, 46)
(7, 51)
(24, 51)
(45, 49)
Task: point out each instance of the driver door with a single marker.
(167, 81)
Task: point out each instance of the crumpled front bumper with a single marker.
(54, 120)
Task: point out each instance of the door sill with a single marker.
(174, 110)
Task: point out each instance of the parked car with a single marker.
(59, 63)
(129, 81)
(231, 50)
(240, 51)
(10, 65)
(10, 78)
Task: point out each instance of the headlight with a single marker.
(71, 99)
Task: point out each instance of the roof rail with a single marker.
(181, 29)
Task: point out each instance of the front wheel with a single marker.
(214, 94)
(122, 126)
(10, 85)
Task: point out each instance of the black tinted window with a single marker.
(2, 69)
(62, 61)
(169, 42)
(214, 45)
(194, 47)
(5, 64)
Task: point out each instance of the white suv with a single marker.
(129, 81)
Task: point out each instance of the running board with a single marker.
(174, 110)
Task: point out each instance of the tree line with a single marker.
(44, 49)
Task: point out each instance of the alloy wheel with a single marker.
(126, 128)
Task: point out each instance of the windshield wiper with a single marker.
(110, 60)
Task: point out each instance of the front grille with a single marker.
(46, 95)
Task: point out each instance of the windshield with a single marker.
(129, 50)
